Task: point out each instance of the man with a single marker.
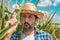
(29, 16)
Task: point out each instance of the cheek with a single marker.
(32, 22)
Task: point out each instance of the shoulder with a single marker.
(43, 35)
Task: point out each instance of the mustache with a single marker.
(26, 23)
(28, 28)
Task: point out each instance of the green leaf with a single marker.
(2, 24)
(3, 32)
(6, 17)
(6, 10)
(37, 1)
(48, 21)
(22, 5)
(19, 25)
(20, 29)
(0, 12)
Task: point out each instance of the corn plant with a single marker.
(3, 29)
(47, 26)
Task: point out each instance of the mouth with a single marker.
(26, 24)
(27, 27)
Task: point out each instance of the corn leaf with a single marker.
(3, 32)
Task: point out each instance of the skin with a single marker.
(28, 21)
(12, 21)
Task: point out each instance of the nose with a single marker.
(26, 19)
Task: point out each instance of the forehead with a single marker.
(27, 14)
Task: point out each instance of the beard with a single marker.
(27, 27)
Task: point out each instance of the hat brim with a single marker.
(38, 14)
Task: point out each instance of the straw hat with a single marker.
(31, 9)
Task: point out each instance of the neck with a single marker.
(29, 32)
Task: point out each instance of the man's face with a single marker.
(28, 21)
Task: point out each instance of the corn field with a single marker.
(46, 25)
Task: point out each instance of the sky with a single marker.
(49, 5)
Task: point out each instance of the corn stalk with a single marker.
(3, 29)
(19, 25)
(45, 27)
(3, 32)
(2, 22)
(37, 1)
(48, 26)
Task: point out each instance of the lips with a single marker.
(26, 25)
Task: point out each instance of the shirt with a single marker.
(38, 35)
(28, 37)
